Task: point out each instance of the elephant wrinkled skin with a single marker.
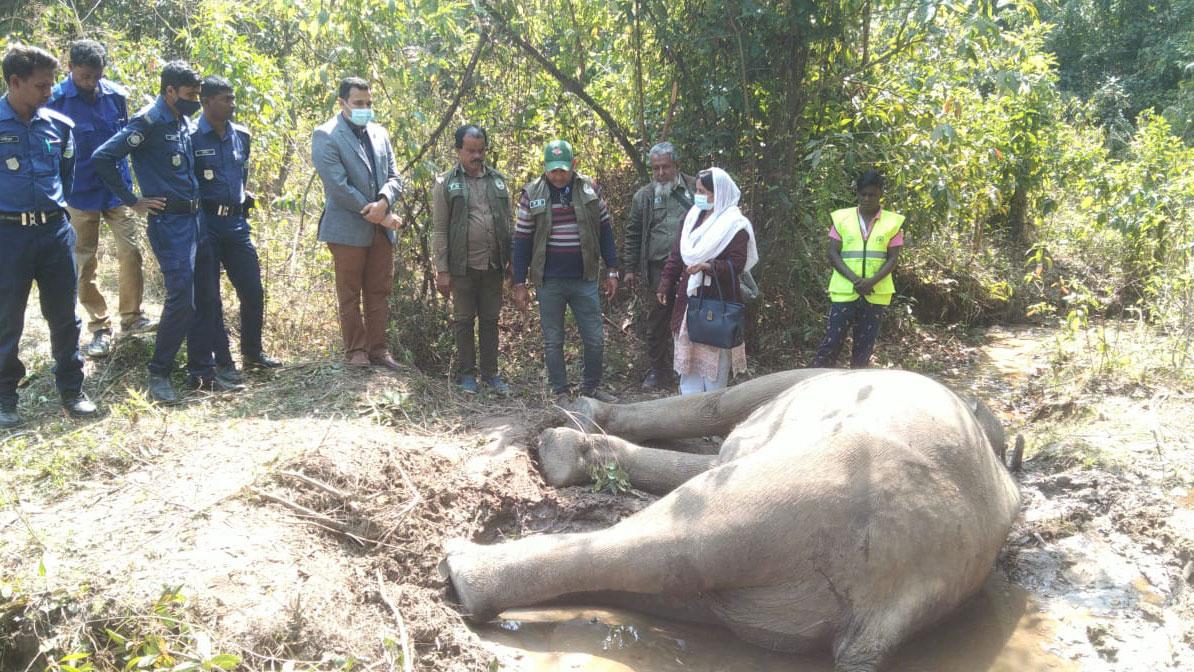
(845, 509)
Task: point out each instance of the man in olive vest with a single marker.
(471, 243)
(864, 244)
(656, 215)
(562, 234)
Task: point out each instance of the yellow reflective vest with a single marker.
(864, 256)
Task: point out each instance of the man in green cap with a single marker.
(562, 234)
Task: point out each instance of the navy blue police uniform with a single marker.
(222, 165)
(96, 120)
(159, 143)
(37, 244)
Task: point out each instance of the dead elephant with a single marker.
(845, 509)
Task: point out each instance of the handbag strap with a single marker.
(717, 283)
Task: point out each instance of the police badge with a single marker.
(135, 139)
(176, 160)
(497, 182)
(13, 163)
(209, 174)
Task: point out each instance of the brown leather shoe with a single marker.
(385, 360)
(358, 359)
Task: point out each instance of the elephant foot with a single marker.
(588, 413)
(563, 457)
(460, 567)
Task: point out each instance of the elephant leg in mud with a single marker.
(568, 457)
(708, 414)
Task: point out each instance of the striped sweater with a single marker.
(564, 259)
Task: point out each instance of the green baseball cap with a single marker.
(557, 154)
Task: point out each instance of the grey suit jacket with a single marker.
(348, 186)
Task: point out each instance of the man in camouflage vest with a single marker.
(656, 215)
(471, 244)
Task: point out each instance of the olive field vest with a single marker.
(864, 256)
(456, 192)
(588, 220)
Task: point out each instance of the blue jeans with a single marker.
(45, 254)
(581, 296)
(234, 249)
(173, 239)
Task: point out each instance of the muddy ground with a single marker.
(298, 525)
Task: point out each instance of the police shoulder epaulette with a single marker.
(55, 93)
(115, 88)
(149, 112)
(59, 117)
(239, 128)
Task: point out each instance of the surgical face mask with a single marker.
(186, 107)
(361, 115)
(701, 201)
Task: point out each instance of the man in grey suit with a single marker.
(361, 185)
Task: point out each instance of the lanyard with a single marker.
(866, 226)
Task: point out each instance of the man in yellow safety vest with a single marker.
(864, 244)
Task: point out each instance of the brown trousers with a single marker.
(131, 281)
(364, 275)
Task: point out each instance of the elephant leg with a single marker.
(567, 457)
(707, 414)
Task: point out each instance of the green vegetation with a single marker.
(1025, 196)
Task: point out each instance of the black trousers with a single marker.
(866, 318)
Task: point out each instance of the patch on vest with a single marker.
(13, 163)
(9, 139)
(497, 182)
(658, 200)
(135, 139)
(538, 203)
(589, 190)
(205, 152)
(455, 186)
(209, 174)
(172, 137)
(176, 160)
(68, 152)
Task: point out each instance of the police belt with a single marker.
(35, 218)
(223, 209)
(179, 207)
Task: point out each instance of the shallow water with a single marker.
(999, 630)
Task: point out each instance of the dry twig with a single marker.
(407, 660)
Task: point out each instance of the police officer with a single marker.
(159, 140)
(99, 108)
(37, 157)
(222, 160)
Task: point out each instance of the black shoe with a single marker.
(9, 417)
(599, 395)
(229, 374)
(161, 390)
(225, 381)
(77, 405)
(100, 345)
(261, 361)
(213, 384)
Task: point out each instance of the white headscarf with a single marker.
(721, 225)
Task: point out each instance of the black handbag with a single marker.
(717, 322)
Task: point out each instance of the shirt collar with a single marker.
(164, 110)
(69, 90)
(205, 125)
(6, 111)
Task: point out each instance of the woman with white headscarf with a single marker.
(715, 237)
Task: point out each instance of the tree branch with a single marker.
(571, 85)
(465, 82)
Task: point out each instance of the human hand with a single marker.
(521, 297)
(150, 205)
(611, 286)
(661, 297)
(701, 267)
(443, 283)
(392, 221)
(631, 281)
(375, 212)
(864, 286)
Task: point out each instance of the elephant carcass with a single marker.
(846, 509)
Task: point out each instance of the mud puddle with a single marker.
(1000, 630)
